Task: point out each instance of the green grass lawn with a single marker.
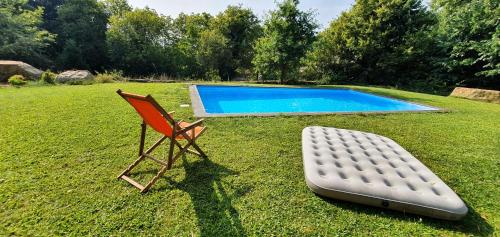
(61, 148)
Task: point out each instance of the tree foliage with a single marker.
(141, 42)
(241, 28)
(81, 30)
(213, 54)
(189, 29)
(116, 7)
(49, 23)
(288, 34)
(385, 42)
(21, 37)
(470, 33)
(49, 12)
(216, 47)
(376, 42)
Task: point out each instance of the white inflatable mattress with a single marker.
(374, 170)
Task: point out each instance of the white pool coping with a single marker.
(200, 112)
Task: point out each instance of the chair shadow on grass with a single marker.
(212, 203)
(471, 224)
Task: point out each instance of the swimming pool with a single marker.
(210, 101)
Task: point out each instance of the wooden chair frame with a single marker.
(178, 132)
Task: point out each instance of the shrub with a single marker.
(104, 78)
(48, 77)
(109, 77)
(17, 80)
(212, 75)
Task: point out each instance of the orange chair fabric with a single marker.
(151, 116)
(197, 131)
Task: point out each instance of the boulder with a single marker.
(74, 77)
(477, 94)
(10, 68)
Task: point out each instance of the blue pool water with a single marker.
(252, 100)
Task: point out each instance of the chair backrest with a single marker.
(150, 111)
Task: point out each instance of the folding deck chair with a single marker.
(161, 121)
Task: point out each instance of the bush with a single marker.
(17, 80)
(104, 78)
(212, 75)
(109, 77)
(48, 77)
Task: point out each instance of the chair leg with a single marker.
(141, 150)
(202, 154)
(143, 137)
(142, 156)
(182, 151)
(163, 168)
(131, 166)
(188, 150)
(171, 152)
(171, 157)
(157, 143)
(153, 181)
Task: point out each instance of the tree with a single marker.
(376, 42)
(189, 29)
(288, 34)
(49, 12)
(241, 28)
(142, 42)
(213, 54)
(81, 30)
(49, 23)
(117, 7)
(470, 33)
(191, 26)
(20, 35)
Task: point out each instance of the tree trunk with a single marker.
(282, 74)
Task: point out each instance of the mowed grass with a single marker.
(61, 148)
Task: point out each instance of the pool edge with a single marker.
(196, 103)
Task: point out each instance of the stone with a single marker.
(477, 94)
(74, 77)
(10, 68)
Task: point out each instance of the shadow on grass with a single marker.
(471, 224)
(212, 203)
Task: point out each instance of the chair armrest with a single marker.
(177, 125)
(169, 116)
(191, 126)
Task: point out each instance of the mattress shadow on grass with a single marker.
(471, 224)
(212, 202)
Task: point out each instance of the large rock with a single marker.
(10, 68)
(74, 77)
(477, 94)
